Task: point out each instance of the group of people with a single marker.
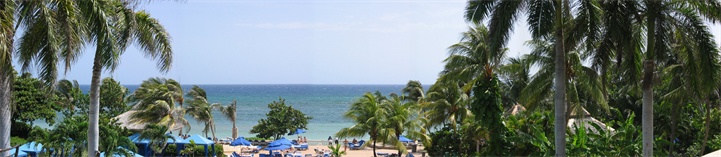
(345, 142)
(302, 139)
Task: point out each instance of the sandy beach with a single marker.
(366, 152)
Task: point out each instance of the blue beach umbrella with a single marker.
(298, 131)
(240, 141)
(404, 139)
(281, 141)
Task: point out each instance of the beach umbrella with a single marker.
(298, 131)
(404, 139)
(240, 141)
(281, 141)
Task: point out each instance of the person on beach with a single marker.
(355, 141)
(345, 144)
(330, 140)
(336, 140)
(305, 139)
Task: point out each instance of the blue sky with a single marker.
(301, 42)
(297, 42)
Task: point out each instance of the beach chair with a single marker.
(303, 147)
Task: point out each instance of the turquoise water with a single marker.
(325, 103)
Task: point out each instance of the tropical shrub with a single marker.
(444, 142)
(281, 120)
(14, 141)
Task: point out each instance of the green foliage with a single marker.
(32, 101)
(155, 101)
(15, 141)
(190, 149)
(112, 98)
(71, 98)
(281, 120)
(487, 108)
(336, 150)
(157, 134)
(114, 137)
(170, 150)
(444, 142)
(20, 129)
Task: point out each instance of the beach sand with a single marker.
(366, 152)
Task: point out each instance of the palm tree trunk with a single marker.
(373, 137)
(5, 114)
(93, 114)
(560, 86)
(674, 124)
(235, 130)
(647, 84)
(212, 129)
(706, 128)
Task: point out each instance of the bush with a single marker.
(170, 150)
(14, 141)
(256, 138)
(444, 142)
(20, 129)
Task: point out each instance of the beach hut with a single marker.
(199, 140)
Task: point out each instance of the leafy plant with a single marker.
(280, 120)
(336, 150)
(190, 149)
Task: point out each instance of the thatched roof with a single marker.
(124, 120)
(584, 119)
(516, 109)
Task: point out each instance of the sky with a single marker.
(301, 42)
(296, 42)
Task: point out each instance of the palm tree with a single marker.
(516, 74)
(544, 17)
(154, 102)
(414, 91)
(49, 36)
(229, 112)
(448, 105)
(112, 26)
(157, 134)
(367, 113)
(7, 32)
(471, 57)
(584, 87)
(70, 96)
(663, 19)
(399, 117)
(201, 110)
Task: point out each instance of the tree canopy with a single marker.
(281, 120)
(31, 101)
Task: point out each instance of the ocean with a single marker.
(325, 103)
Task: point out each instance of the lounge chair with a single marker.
(357, 146)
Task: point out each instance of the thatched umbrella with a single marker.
(584, 119)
